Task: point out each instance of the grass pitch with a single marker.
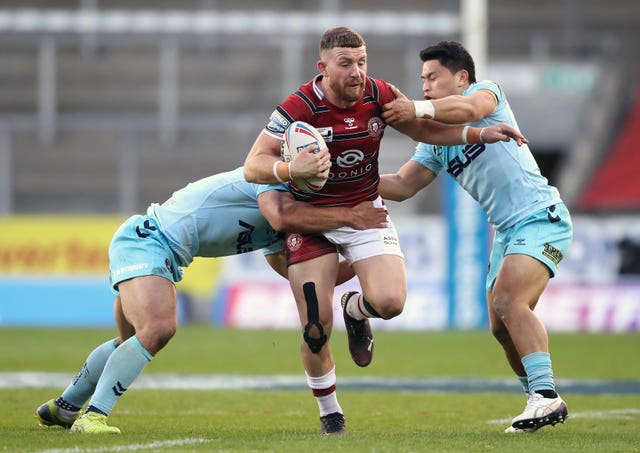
(287, 420)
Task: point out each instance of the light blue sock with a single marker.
(524, 381)
(123, 367)
(539, 372)
(84, 384)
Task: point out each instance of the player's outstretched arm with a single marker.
(454, 109)
(401, 115)
(284, 213)
(436, 133)
(406, 182)
(502, 132)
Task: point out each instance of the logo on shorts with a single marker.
(147, 226)
(552, 253)
(167, 262)
(390, 240)
(132, 268)
(520, 241)
(294, 242)
(375, 127)
(553, 218)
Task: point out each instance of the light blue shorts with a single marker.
(545, 236)
(138, 248)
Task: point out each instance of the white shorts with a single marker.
(356, 245)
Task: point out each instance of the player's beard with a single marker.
(348, 92)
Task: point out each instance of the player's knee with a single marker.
(165, 337)
(390, 306)
(158, 337)
(502, 305)
(314, 331)
(315, 336)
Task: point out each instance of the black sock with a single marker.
(62, 404)
(96, 410)
(547, 393)
(369, 308)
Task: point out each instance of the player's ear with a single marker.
(462, 77)
(322, 67)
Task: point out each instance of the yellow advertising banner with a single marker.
(77, 245)
(56, 245)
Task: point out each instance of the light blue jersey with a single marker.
(212, 217)
(215, 216)
(502, 177)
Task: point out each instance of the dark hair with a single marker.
(452, 55)
(340, 37)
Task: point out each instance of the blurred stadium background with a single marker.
(107, 106)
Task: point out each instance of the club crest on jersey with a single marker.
(375, 127)
(294, 242)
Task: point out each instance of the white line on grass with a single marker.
(133, 447)
(173, 381)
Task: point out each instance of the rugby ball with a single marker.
(298, 136)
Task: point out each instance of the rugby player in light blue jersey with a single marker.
(215, 216)
(532, 226)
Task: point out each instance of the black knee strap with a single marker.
(313, 319)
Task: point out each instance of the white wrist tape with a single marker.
(275, 171)
(464, 135)
(481, 131)
(424, 108)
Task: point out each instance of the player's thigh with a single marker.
(521, 278)
(382, 277)
(148, 302)
(321, 272)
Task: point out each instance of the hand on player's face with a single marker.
(309, 164)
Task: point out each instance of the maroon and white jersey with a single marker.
(352, 135)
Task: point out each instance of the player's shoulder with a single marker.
(378, 90)
(487, 85)
(309, 93)
(300, 105)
